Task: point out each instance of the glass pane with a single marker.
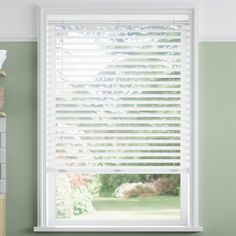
(118, 196)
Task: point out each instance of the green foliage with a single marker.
(82, 201)
(131, 190)
(176, 182)
(109, 183)
(74, 197)
(64, 205)
(75, 193)
(167, 185)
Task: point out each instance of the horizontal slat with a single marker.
(111, 63)
(88, 137)
(135, 155)
(158, 74)
(80, 41)
(105, 139)
(140, 39)
(115, 130)
(146, 127)
(82, 155)
(74, 60)
(94, 148)
(114, 49)
(126, 80)
(112, 107)
(163, 132)
(56, 41)
(76, 110)
(116, 90)
(103, 78)
(107, 70)
(117, 155)
(87, 32)
(120, 149)
(114, 123)
(97, 22)
(100, 93)
(83, 29)
(141, 142)
(97, 63)
(116, 83)
(110, 117)
(74, 123)
(120, 115)
(105, 114)
(116, 103)
(96, 91)
(114, 161)
(91, 51)
(118, 129)
(119, 36)
(119, 112)
(100, 57)
(125, 38)
(150, 149)
(113, 52)
(119, 95)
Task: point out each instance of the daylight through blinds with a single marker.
(118, 96)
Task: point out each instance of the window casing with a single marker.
(125, 87)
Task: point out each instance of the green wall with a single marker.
(217, 140)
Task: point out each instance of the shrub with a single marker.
(166, 186)
(64, 204)
(130, 190)
(73, 196)
(109, 183)
(82, 201)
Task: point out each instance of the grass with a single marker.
(159, 207)
(137, 204)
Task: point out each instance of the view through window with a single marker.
(118, 119)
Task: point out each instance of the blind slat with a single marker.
(121, 169)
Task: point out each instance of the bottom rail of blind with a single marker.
(121, 169)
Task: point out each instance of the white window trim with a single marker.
(91, 8)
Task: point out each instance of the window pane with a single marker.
(118, 121)
(118, 196)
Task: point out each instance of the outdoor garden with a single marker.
(131, 196)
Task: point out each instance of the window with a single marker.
(117, 128)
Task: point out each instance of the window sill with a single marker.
(119, 229)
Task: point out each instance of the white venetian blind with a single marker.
(118, 94)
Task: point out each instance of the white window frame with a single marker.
(90, 8)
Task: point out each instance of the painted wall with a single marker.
(217, 140)
(18, 19)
